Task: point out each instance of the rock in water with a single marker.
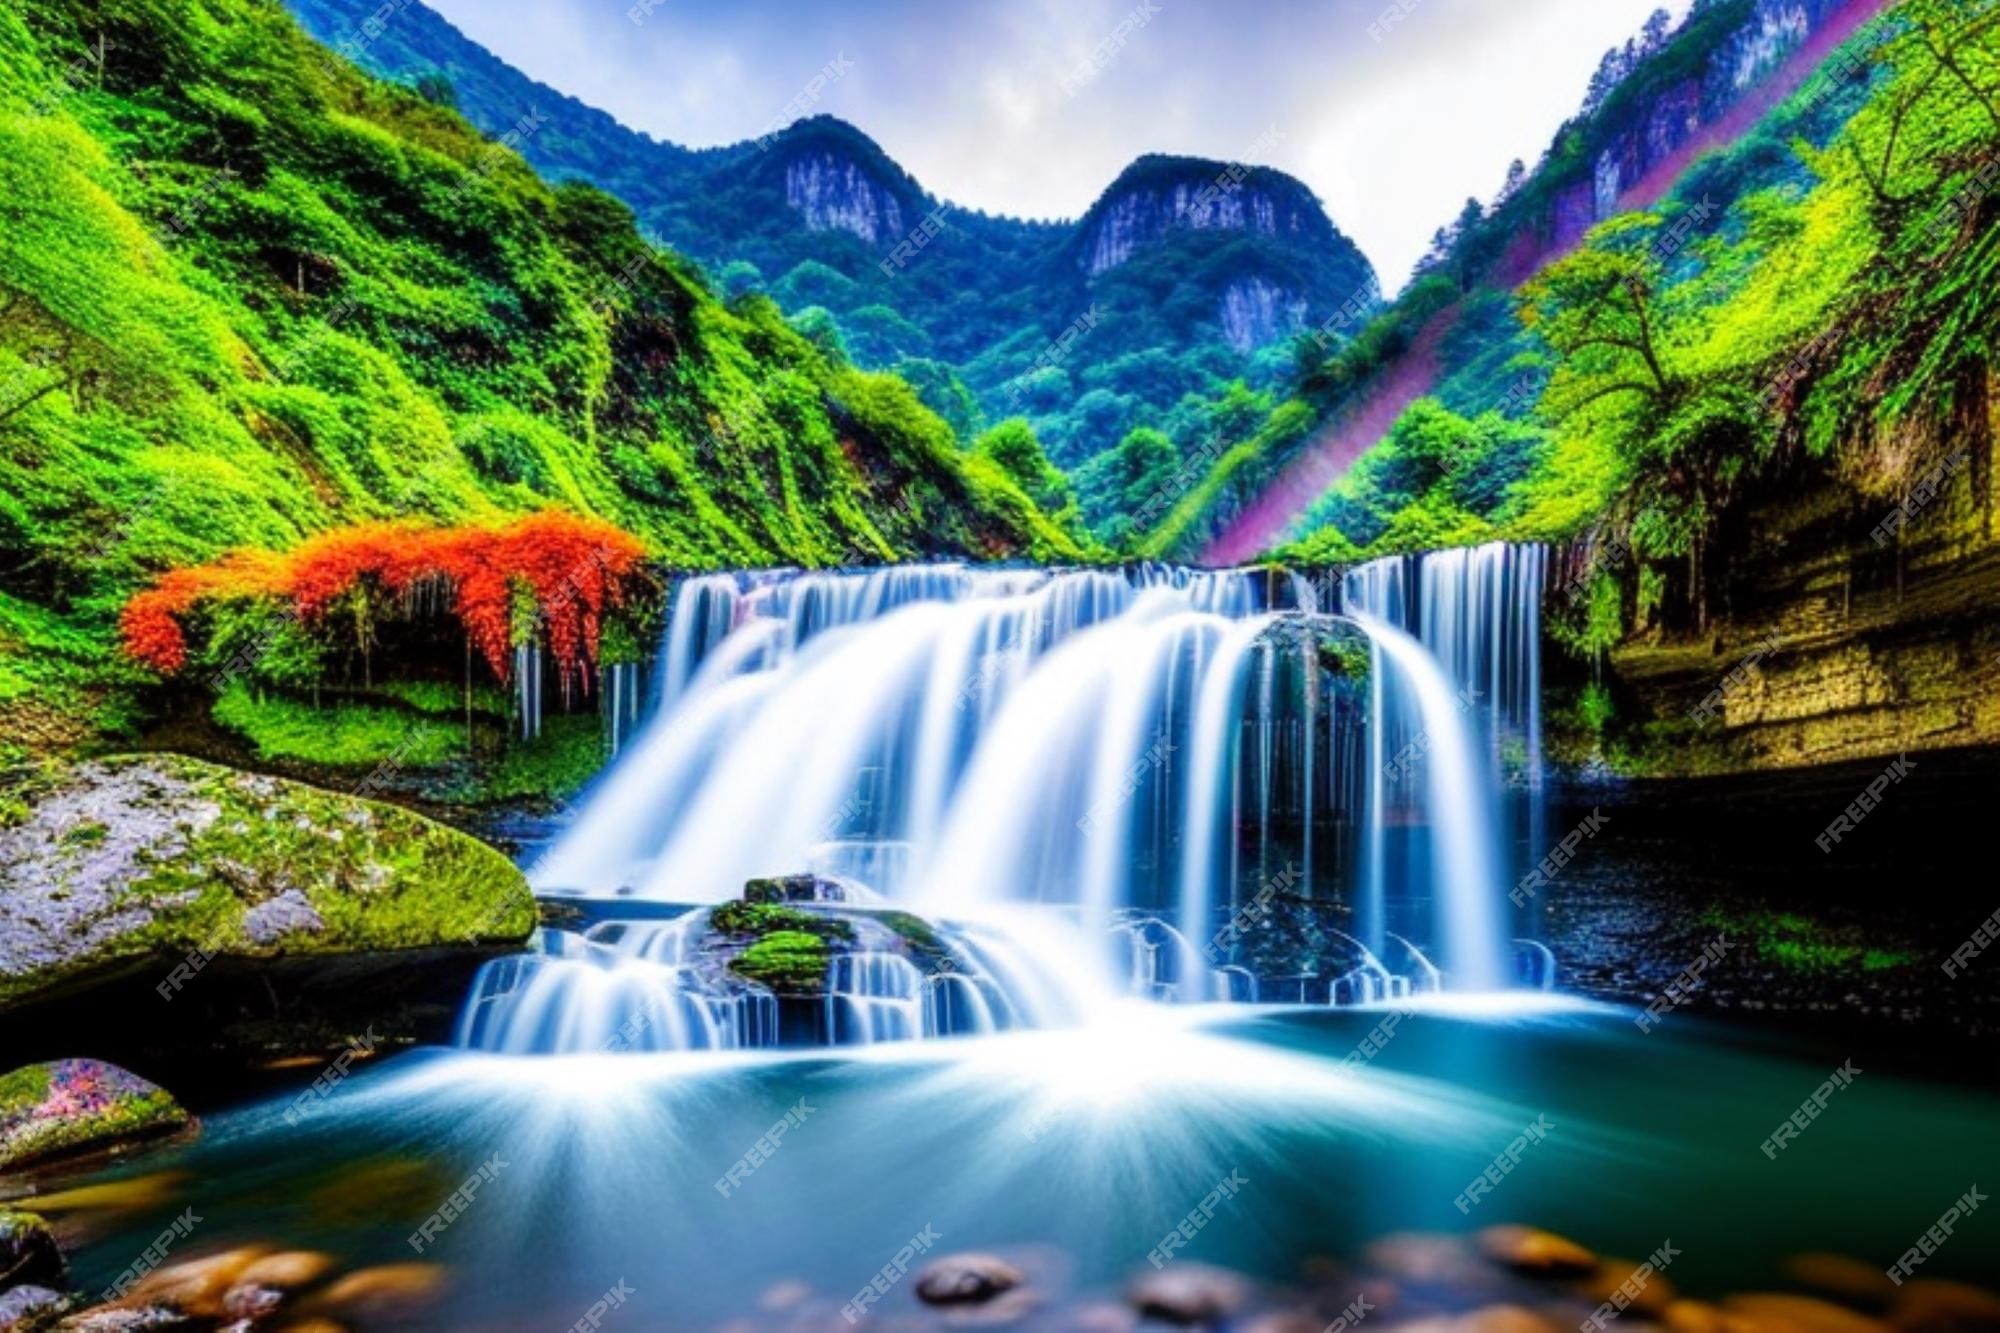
(28, 1252)
(72, 1106)
(1189, 1294)
(959, 1279)
(164, 903)
(27, 1307)
(1536, 1253)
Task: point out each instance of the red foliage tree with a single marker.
(571, 568)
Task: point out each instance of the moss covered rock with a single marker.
(69, 1106)
(165, 862)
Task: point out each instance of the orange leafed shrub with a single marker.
(571, 567)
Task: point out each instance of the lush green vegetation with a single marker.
(970, 317)
(248, 294)
(1817, 298)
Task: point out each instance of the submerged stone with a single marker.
(966, 1278)
(1189, 1294)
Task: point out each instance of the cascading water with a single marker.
(1086, 781)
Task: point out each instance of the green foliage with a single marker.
(247, 293)
(336, 735)
(790, 962)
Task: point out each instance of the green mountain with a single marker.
(249, 293)
(1185, 276)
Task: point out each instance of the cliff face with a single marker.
(1666, 120)
(1200, 196)
(832, 193)
(1864, 649)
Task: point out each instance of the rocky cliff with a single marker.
(1845, 632)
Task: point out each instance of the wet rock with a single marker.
(1777, 1312)
(75, 1106)
(1009, 1307)
(1617, 1279)
(1425, 1259)
(247, 1302)
(27, 1307)
(196, 1286)
(1849, 1280)
(1931, 1305)
(1504, 1319)
(1285, 1321)
(1538, 1253)
(287, 1270)
(384, 1291)
(1103, 1317)
(1189, 1294)
(1686, 1316)
(118, 1319)
(966, 1278)
(29, 1253)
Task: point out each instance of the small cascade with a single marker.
(528, 689)
(619, 689)
(1103, 779)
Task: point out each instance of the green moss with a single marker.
(336, 735)
(790, 962)
(378, 876)
(744, 918)
(552, 767)
(1801, 944)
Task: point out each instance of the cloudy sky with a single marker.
(1393, 111)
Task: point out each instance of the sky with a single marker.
(1392, 111)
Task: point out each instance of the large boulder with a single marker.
(159, 897)
(72, 1106)
(29, 1254)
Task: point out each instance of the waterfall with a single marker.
(1085, 779)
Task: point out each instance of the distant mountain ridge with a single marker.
(1198, 271)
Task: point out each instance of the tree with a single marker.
(1517, 176)
(1013, 446)
(1659, 26)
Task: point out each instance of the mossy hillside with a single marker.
(247, 293)
(196, 857)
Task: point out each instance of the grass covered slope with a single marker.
(248, 293)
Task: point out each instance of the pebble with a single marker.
(958, 1279)
(1189, 1294)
